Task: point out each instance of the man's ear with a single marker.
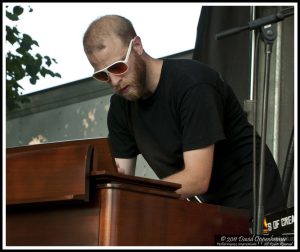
(137, 45)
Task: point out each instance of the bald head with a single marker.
(107, 26)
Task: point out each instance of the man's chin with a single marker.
(131, 92)
(131, 97)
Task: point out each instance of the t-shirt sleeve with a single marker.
(201, 116)
(120, 137)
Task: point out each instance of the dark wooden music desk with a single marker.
(70, 194)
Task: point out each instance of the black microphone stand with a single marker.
(268, 34)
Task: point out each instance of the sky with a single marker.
(165, 29)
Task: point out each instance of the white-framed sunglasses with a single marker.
(117, 68)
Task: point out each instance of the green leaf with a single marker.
(21, 50)
(10, 36)
(33, 80)
(11, 16)
(12, 93)
(43, 71)
(27, 59)
(18, 10)
(32, 70)
(21, 63)
(27, 42)
(48, 60)
(38, 60)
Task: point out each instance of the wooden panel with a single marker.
(53, 173)
(102, 158)
(44, 183)
(129, 218)
(53, 224)
(137, 183)
(122, 214)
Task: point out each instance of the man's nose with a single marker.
(114, 79)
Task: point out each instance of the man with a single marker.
(181, 116)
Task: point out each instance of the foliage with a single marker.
(22, 63)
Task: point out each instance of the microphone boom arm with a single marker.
(257, 23)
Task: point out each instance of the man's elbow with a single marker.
(194, 188)
(202, 187)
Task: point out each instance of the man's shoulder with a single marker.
(191, 70)
(188, 63)
(182, 75)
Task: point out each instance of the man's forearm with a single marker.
(190, 185)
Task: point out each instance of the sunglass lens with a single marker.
(102, 76)
(118, 68)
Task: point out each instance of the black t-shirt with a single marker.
(192, 108)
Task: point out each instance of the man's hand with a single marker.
(126, 166)
(120, 170)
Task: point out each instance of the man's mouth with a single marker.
(125, 89)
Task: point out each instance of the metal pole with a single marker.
(260, 207)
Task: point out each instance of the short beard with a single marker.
(136, 81)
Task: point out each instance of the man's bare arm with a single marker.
(195, 177)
